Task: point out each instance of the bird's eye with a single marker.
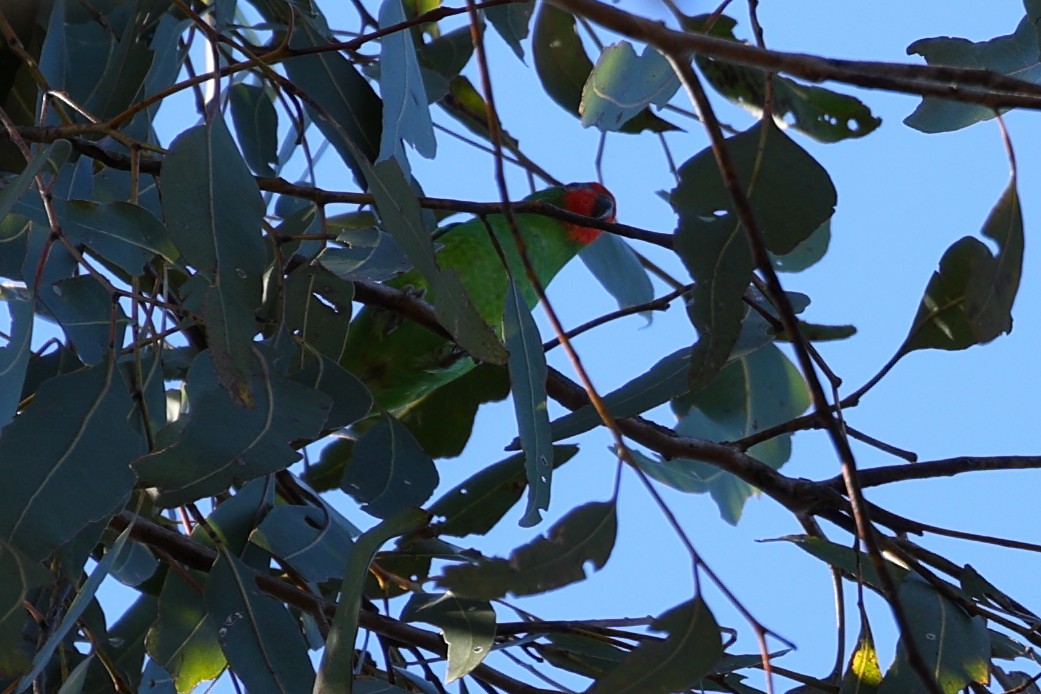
(603, 207)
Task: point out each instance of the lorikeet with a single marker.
(401, 361)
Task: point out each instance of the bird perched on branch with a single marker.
(401, 361)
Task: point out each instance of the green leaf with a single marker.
(954, 646)
(1013, 54)
(203, 173)
(443, 420)
(563, 67)
(528, 372)
(183, 639)
(317, 308)
(468, 626)
(123, 233)
(622, 84)
(94, 323)
(791, 196)
(615, 265)
(852, 564)
(863, 676)
(807, 253)
(256, 124)
(820, 113)
(759, 390)
(969, 299)
(586, 534)
(54, 154)
(335, 672)
(687, 654)
(45, 450)
(474, 506)
(388, 471)
(511, 21)
(14, 356)
(314, 541)
(401, 216)
(222, 443)
(406, 115)
(341, 102)
(259, 637)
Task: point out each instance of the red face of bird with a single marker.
(591, 200)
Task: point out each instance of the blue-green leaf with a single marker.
(406, 115)
(528, 372)
(614, 264)
(256, 123)
(467, 624)
(511, 21)
(388, 470)
(622, 84)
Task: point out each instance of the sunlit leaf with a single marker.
(258, 635)
(863, 676)
(954, 646)
(183, 639)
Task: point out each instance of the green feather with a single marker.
(401, 361)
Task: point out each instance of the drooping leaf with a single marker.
(1014, 54)
(475, 505)
(183, 640)
(954, 645)
(584, 655)
(622, 84)
(14, 355)
(223, 443)
(564, 67)
(528, 371)
(259, 637)
(341, 102)
(468, 627)
(406, 115)
(335, 672)
(790, 195)
(401, 216)
(318, 308)
(586, 534)
(806, 253)
(203, 173)
(54, 154)
(820, 113)
(350, 399)
(511, 21)
(256, 124)
(388, 471)
(18, 575)
(614, 264)
(56, 483)
(863, 676)
(123, 233)
(969, 299)
(854, 565)
(686, 655)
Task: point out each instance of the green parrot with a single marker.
(400, 361)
